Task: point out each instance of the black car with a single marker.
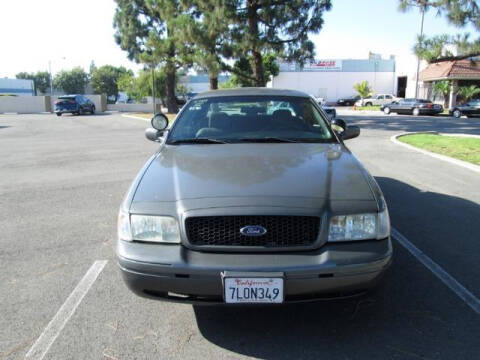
(412, 106)
(470, 109)
(348, 101)
(74, 104)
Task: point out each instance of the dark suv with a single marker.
(74, 104)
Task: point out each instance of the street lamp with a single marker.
(51, 76)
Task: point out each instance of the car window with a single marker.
(388, 97)
(231, 118)
(379, 97)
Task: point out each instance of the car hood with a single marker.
(233, 174)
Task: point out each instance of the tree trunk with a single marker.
(257, 67)
(172, 105)
(213, 82)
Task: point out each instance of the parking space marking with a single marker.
(55, 326)
(438, 271)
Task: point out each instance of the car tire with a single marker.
(386, 110)
(58, 114)
(368, 104)
(457, 113)
(92, 111)
(416, 112)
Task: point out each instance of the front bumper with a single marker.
(175, 273)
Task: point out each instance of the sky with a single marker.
(70, 33)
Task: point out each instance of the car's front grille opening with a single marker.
(281, 231)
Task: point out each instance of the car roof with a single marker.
(251, 91)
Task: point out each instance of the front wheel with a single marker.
(59, 114)
(368, 104)
(386, 110)
(416, 112)
(92, 111)
(457, 113)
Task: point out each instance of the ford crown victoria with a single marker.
(252, 197)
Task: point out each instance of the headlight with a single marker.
(160, 229)
(359, 227)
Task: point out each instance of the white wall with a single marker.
(148, 108)
(334, 85)
(24, 104)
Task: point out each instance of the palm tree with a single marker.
(442, 88)
(468, 92)
(363, 89)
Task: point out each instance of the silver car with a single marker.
(252, 198)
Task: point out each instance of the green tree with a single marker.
(105, 79)
(363, 89)
(243, 72)
(41, 80)
(149, 31)
(278, 26)
(459, 13)
(442, 88)
(468, 92)
(205, 27)
(141, 86)
(73, 81)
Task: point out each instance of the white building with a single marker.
(16, 87)
(334, 79)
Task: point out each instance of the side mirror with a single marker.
(159, 121)
(153, 134)
(351, 132)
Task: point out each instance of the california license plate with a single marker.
(252, 290)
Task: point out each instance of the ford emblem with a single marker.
(253, 230)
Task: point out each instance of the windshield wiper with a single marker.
(266, 140)
(196, 141)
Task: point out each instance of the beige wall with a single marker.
(148, 108)
(24, 104)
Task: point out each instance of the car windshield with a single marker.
(250, 118)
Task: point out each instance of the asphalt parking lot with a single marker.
(62, 181)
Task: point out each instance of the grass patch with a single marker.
(170, 117)
(372, 107)
(461, 148)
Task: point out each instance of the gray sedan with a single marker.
(252, 198)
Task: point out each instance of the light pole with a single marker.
(422, 6)
(51, 76)
(153, 89)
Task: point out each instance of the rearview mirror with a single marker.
(159, 121)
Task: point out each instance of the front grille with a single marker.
(282, 231)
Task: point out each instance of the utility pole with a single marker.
(422, 6)
(51, 80)
(153, 89)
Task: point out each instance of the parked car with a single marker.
(74, 104)
(348, 101)
(470, 109)
(243, 205)
(330, 110)
(412, 106)
(380, 99)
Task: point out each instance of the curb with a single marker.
(449, 159)
(135, 117)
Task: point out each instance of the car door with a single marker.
(474, 108)
(404, 106)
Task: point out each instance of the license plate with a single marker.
(252, 290)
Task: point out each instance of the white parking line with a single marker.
(48, 336)
(438, 271)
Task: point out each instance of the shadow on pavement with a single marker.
(412, 315)
(421, 123)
